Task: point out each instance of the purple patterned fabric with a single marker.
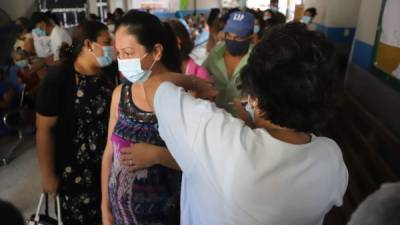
(148, 196)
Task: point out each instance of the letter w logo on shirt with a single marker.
(238, 17)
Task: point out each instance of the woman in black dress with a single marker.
(72, 117)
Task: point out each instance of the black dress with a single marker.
(82, 105)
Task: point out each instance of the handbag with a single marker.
(45, 219)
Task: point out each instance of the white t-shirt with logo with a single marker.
(233, 174)
(58, 36)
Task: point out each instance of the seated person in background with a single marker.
(269, 19)
(46, 26)
(278, 173)
(381, 207)
(259, 27)
(227, 59)
(10, 215)
(24, 40)
(267, 14)
(41, 41)
(308, 18)
(118, 13)
(216, 26)
(279, 17)
(25, 74)
(110, 23)
(185, 45)
(215, 34)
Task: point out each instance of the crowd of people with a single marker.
(191, 120)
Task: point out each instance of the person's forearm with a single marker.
(151, 85)
(105, 173)
(165, 158)
(45, 152)
(38, 65)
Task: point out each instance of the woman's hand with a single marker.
(139, 156)
(203, 89)
(50, 184)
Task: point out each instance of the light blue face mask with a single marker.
(256, 29)
(250, 110)
(274, 9)
(306, 19)
(39, 32)
(108, 56)
(132, 70)
(22, 63)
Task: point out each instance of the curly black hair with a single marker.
(293, 74)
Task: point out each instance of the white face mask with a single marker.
(111, 27)
(306, 19)
(249, 109)
(132, 70)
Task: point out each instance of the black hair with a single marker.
(180, 31)
(110, 17)
(270, 12)
(118, 13)
(214, 13)
(88, 30)
(54, 17)
(10, 215)
(38, 17)
(261, 23)
(149, 31)
(312, 11)
(25, 24)
(293, 74)
(225, 17)
(93, 17)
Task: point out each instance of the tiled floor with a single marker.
(20, 179)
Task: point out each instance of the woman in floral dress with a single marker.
(72, 115)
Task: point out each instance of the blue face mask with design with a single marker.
(108, 56)
(22, 63)
(237, 48)
(39, 32)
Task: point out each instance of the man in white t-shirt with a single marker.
(45, 26)
(275, 173)
(41, 42)
(381, 207)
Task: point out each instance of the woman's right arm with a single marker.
(107, 159)
(45, 152)
(28, 46)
